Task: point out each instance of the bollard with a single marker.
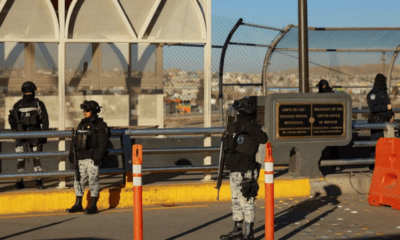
(269, 192)
(137, 192)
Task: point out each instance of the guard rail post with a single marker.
(269, 192)
(126, 147)
(137, 192)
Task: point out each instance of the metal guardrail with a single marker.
(111, 152)
(357, 125)
(347, 162)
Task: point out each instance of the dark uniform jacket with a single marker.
(97, 140)
(247, 136)
(33, 117)
(378, 99)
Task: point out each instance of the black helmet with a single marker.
(28, 87)
(92, 106)
(246, 105)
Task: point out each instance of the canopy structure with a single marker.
(98, 49)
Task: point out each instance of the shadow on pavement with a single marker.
(278, 173)
(389, 236)
(80, 238)
(35, 229)
(199, 227)
(301, 210)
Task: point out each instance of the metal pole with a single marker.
(304, 86)
(207, 88)
(61, 86)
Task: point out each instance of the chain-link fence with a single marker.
(183, 72)
(348, 58)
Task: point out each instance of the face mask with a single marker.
(29, 97)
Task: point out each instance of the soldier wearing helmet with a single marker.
(29, 114)
(240, 147)
(88, 148)
(323, 87)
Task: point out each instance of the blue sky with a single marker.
(321, 13)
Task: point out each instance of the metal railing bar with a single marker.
(367, 110)
(283, 87)
(347, 162)
(242, 84)
(336, 50)
(250, 44)
(382, 126)
(180, 169)
(35, 134)
(175, 131)
(69, 173)
(265, 27)
(181, 150)
(9, 156)
(46, 134)
(364, 143)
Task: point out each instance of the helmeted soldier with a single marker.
(323, 87)
(379, 106)
(90, 145)
(240, 146)
(29, 114)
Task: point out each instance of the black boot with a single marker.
(77, 207)
(93, 206)
(236, 233)
(19, 184)
(39, 184)
(248, 231)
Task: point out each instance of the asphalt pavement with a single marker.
(316, 217)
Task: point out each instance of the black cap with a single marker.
(91, 106)
(322, 82)
(28, 87)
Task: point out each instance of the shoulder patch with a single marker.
(373, 96)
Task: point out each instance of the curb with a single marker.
(177, 194)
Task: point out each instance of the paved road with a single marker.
(343, 217)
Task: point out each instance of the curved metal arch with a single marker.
(118, 8)
(148, 19)
(391, 65)
(197, 9)
(200, 18)
(268, 57)
(52, 14)
(221, 67)
(55, 19)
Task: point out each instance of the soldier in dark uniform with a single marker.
(29, 114)
(323, 86)
(241, 145)
(90, 143)
(379, 106)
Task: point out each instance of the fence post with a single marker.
(137, 192)
(269, 192)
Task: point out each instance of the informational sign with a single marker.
(310, 120)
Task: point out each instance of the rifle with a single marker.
(74, 156)
(20, 128)
(221, 160)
